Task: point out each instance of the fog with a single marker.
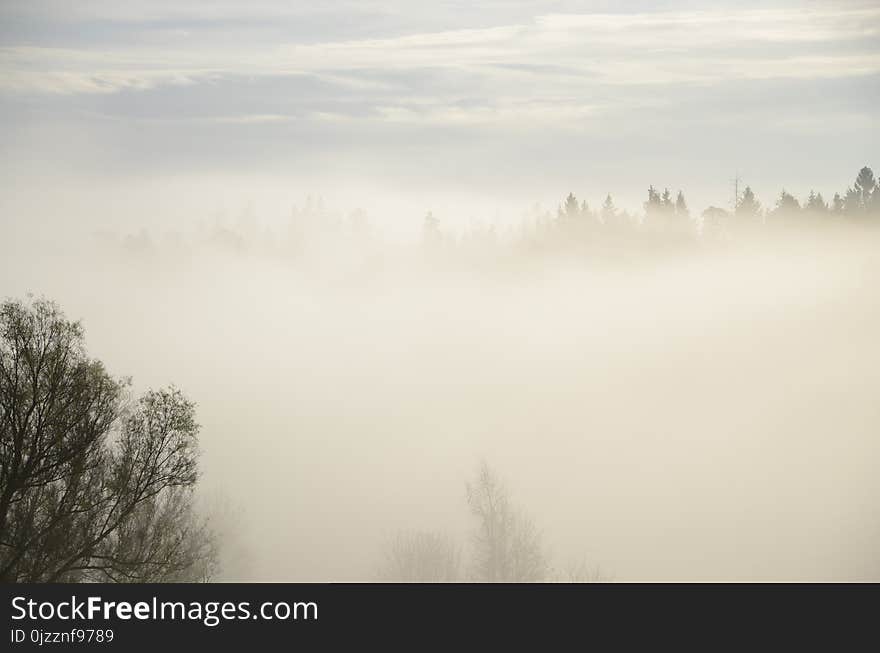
(706, 412)
(349, 233)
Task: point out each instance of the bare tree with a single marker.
(507, 545)
(90, 488)
(583, 572)
(421, 557)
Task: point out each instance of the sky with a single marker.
(457, 107)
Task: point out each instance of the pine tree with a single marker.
(865, 184)
(859, 199)
(609, 211)
(571, 206)
(431, 235)
(787, 204)
(852, 203)
(816, 205)
(747, 205)
(681, 208)
(654, 204)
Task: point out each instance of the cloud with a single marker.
(701, 28)
(505, 114)
(618, 48)
(554, 70)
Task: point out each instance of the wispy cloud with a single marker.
(604, 91)
(676, 47)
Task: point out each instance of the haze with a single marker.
(232, 198)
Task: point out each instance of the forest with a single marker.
(498, 404)
(314, 229)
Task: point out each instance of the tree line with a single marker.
(667, 214)
(313, 230)
(860, 200)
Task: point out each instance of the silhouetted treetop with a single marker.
(91, 486)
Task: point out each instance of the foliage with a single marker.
(92, 487)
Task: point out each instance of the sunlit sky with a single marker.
(518, 101)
